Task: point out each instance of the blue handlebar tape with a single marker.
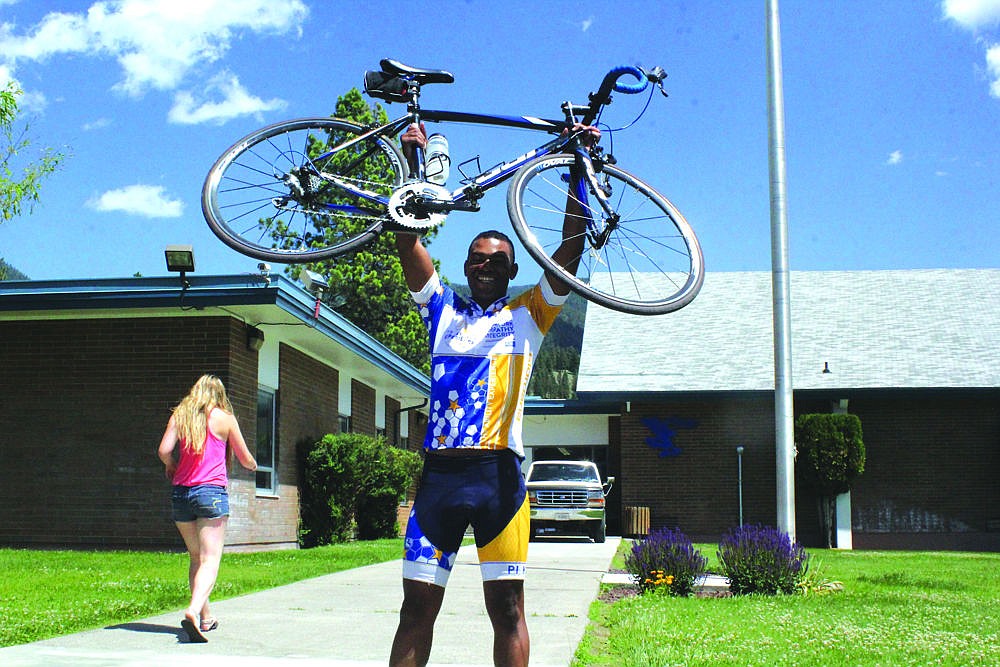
(630, 88)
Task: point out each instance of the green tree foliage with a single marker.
(831, 455)
(353, 483)
(20, 180)
(555, 372)
(367, 286)
(8, 272)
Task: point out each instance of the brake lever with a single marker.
(656, 76)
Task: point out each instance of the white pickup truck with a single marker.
(567, 497)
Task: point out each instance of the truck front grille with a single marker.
(561, 498)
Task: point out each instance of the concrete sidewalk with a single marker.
(349, 618)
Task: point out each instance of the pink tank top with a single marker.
(209, 468)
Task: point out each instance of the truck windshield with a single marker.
(562, 472)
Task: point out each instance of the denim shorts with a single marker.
(205, 501)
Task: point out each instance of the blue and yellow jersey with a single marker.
(481, 362)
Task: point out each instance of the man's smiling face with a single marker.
(489, 268)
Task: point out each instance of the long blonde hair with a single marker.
(191, 414)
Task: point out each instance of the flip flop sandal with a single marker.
(193, 633)
(209, 624)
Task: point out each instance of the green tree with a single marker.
(22, 189)
(830, 456)
(367, 287)
(8, 272)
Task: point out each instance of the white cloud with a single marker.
(232, 101)
(97, 124)
(156, 42)
(587, 23)
(979, 16)
(27, 101)
(895, 157)
(149, 201)
(993, 66)
(973, 14)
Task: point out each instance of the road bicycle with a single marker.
(316, 188)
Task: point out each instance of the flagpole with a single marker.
(783, 409)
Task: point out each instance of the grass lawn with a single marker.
(897, 608)
(49, 593)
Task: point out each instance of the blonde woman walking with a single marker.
(204, 425)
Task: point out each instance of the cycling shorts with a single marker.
(485, 491)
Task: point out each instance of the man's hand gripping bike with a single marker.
(315, 188)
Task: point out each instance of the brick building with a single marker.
(667, 400)
(92, 368)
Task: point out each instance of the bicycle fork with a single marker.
(583, 180)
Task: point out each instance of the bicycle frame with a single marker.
(466, 197)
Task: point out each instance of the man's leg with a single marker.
(505, 605)
(421, 604)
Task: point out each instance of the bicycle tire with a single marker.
(265, 198)
(652, 261)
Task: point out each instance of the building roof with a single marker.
(274, 304)
(935, 328)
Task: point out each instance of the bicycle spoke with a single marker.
(287, 192)
(638, 260)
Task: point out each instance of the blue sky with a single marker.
(892, 116)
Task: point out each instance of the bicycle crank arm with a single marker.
(420, 203)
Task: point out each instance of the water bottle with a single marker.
(437, 164)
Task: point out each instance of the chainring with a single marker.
(408, 215)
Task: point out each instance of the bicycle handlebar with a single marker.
(628, 88)
(610, 83)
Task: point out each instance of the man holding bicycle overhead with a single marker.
(482, 352)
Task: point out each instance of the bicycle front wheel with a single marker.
(292, 193)
(648, 260)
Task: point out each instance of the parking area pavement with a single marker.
(349, 619)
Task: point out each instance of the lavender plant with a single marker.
(762, 559)
(665, 561)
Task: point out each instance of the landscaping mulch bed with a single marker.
(613, 593)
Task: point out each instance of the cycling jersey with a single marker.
(481, 361)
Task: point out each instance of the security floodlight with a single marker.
(180, 258)
(313, 281)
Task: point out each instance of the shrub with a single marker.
(761, 559)
(665, 561)
(830, 456)
(830, 451)
(353, 483)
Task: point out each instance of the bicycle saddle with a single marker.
(422, 76)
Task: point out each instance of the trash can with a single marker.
(636, 521)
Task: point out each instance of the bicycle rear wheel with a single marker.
(650, 263)
(285, 193)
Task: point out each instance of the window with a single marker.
(344, 422)
(266, 455)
